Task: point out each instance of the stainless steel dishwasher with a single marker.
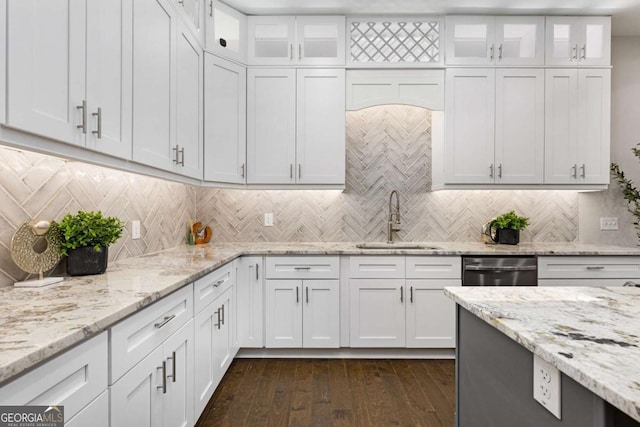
(500, 271)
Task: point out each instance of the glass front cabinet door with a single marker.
(578, 41)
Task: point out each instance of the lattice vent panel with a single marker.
(375, 41)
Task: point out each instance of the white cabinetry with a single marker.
(72, 379)
(69, 72)
(226, 30)
(500, 40)
(215, 322)
(152, 358)
(578, 41)
(167, 90)
(309, 150)
(225, 101)
(494, 126)
(577, 130)
(193, 14)
(302, 40)
(399, 302)
(302, 302)
(588, 270)
(95, 414)
(250, 302)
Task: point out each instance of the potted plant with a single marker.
(508, 227)
(86, 237)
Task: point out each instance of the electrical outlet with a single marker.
(268, 219)
(609, 223)
(135, 229)
(546, 386)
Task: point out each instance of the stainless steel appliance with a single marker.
(500, 271)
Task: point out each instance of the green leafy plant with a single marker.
(511, 220)
(88, 229)
(629, 190)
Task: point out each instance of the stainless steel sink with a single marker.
(395, 245)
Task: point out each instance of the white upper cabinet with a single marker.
(69, 72)
(290, 40)
(577, 131)
(488, 40)
(189, 88)
(578, 41)
(226, 31)
(192, 12)
(296, 126)
(494, 126)
(225, 99)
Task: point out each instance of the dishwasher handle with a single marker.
(477, 267)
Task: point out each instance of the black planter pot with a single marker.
(507, 236)
(86, 261)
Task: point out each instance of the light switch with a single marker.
(135, 229)
(268, 219)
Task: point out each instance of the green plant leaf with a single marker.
(89, 229)
(510, 220)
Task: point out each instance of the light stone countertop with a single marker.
(590, 334)
(36, 324)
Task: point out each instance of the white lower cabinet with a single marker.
(213, 347)
(95, 414)
(408, 308)
(588, 270)
(73, 379)
(158, 391)
(250, 302)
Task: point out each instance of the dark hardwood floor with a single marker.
(334, 392)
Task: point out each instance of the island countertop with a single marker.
(36, 324)
(592, 335)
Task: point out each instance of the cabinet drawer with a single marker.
(207, 288)
(303, 267)
(136, 336)
(434, 267)
(72, 379)
(602, 267)
(376, 267)
(585, 282)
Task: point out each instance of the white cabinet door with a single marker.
(561, 125)
(226, 31)
(249, 302)
(578, 41)
(46, 68)
(271, 40)
(431, 316)
(154, 104)
(321, 314)
(519, 40)
(225, 98)
(320, 127)
(283, 313)
(95, 414)
(109, 65)
(377, 316)
(188, 97)
(178, 354)
(594, 125)
(193, 13)
(212, 342)
(469, 127)
(271, 126)
(519, 126)
(136, 398)
(577, 130)
(470, 40)
(320, 40)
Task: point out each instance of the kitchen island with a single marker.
(591, 335)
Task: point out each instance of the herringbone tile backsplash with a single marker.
(388, 148)
(37, 186)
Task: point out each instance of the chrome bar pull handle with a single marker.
(297, 296)
(291, 170)
(175, 150)
(222, 308)
(98, 132)
(302, 268)
(299, 52)
(181, 157)
(181, 3)
(291, 51)
(583, 55)
(491, 53)
(257, 277)
(491, 171)
(411, 294)
(500, 170)
(307, 294)
(299, 170)
(401, 294)
(217, 312)
(242, 170)
(574, 171)
(500, 52)
(83, 107)
(173, 372)
(583, 170)
(211, 8)
(166, 320)
(595, 267)
(164, 377)
(574, 53)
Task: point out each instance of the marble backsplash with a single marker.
(38, 186)
(388, 148)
